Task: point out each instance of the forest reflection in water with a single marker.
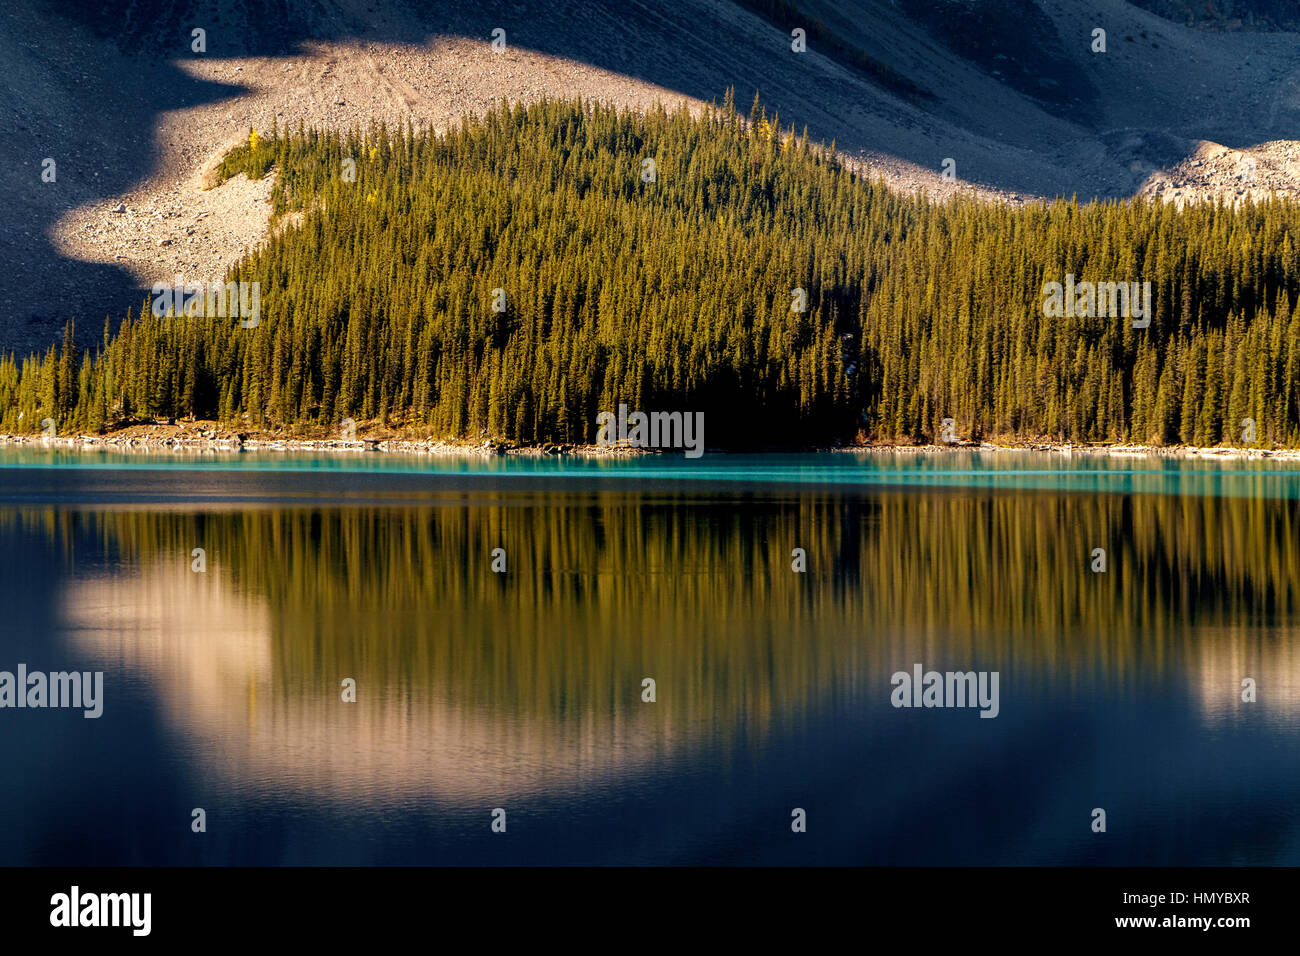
(479, 688)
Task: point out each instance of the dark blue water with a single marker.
(523, 690)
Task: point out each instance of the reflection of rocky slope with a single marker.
(1271, 659)
(206, 649)
(471, 686)
(1014, 96)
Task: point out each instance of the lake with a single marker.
(496, 622)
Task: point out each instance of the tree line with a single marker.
(517, 275)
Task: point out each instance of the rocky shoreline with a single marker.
(244, 443)
(204, 439)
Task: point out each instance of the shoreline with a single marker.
(160, 439)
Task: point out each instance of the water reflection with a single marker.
(477, 689)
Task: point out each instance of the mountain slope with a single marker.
(1009, 90)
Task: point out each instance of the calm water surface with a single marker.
(523, 690)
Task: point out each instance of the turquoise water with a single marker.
(1020, 470)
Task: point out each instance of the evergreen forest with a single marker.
(517, 275)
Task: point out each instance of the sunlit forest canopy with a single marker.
(517, 275)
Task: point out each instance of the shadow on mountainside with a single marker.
(1033, 112)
